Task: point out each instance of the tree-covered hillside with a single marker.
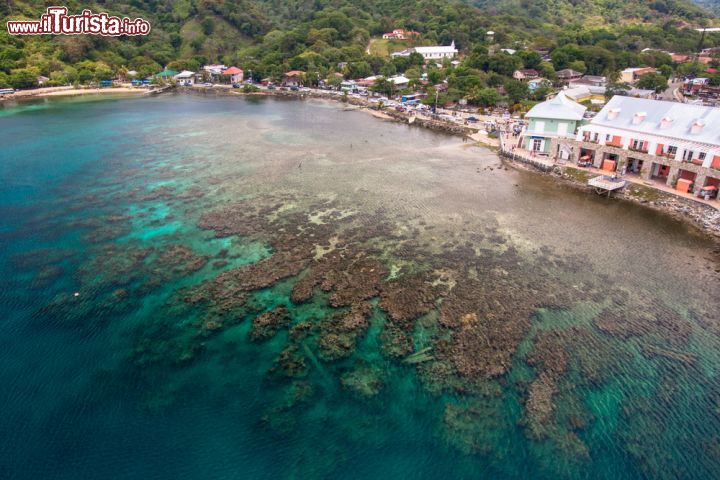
(269, 37)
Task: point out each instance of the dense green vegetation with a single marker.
(269, 37)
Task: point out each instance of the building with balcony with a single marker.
(673, 143)
(556, 118)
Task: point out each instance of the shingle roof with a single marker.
(682, 117)
(560, 107)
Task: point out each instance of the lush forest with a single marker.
(268, 37)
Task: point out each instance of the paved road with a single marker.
(672, 93)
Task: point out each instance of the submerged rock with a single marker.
(265, 326)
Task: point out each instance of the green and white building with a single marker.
(557, 118)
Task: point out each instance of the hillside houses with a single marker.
(632, 75)
(400, 34)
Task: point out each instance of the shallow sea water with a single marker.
(284, 289)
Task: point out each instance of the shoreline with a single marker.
(69, 91)
(704, 218)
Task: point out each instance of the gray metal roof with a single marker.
(560, 108)
(680, 118)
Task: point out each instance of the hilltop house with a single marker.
(401, 34)
(675, 143)
(236, 74)
(556, 118)
(437, 52)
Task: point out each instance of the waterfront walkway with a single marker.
(657, 185)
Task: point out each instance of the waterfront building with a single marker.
(236, 74)
(293, 78)
(556, 118)
(166, 74)
(674, 143)
(185, 78)
(211, 72)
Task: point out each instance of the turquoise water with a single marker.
(223, 288)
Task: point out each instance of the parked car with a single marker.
(294, 88)
(208, 84)
(236, 85)
(272, 87)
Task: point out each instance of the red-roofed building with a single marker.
(401, 34)
(236, 74)
(293, 78)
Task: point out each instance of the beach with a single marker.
(69, 91)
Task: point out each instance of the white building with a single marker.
(436, 52)
(185, 78)
(400, 81)
(676, 143)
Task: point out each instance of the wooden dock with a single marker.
(159, 90)
(604, 184)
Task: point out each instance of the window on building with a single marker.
(537, 143)
(672, 150)
(701, 156)
(608, 137)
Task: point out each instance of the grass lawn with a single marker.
(385, 46)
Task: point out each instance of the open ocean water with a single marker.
(226, 288)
